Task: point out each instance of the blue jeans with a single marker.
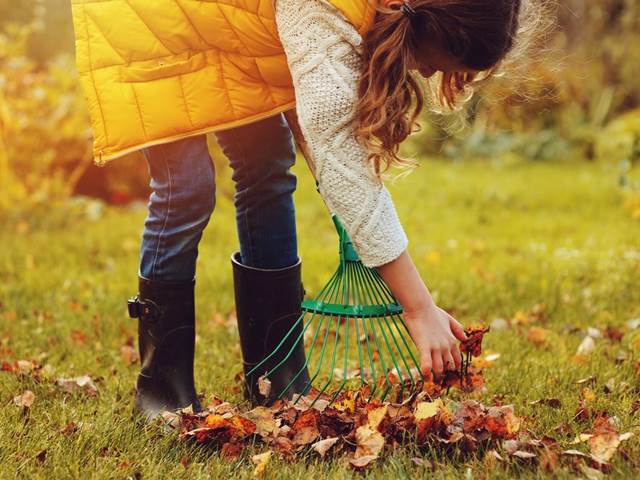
(183, 199)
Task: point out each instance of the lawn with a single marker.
(496, 243)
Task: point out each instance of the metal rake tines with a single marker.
(354, 336)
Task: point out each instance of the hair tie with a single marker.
(408, 10)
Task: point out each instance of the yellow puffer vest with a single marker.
(155, 71)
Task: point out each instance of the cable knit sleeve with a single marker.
(322, 52)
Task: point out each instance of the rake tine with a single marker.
(330, 293)
(288, 334)
(407, 345)
(345, 375)
(306, 362)
(358, 300)
(335, 291)
(332, 367)
(371, 293)
(363, 295)
(378, 286)
(378, 294)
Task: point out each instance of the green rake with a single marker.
(354, 336)
(353, 332)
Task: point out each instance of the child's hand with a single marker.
(434, 331)
(436, 334)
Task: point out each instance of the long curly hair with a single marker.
(478, 34)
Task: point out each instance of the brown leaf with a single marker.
(612, 333)
(69, 429)
(284, 446)
(306, 428)
(473, 343)
(78, 337)
(264, 419)
(41, 456)
(369, 442)
(538, 336)
(231, 450)
(25, 400)
(605, 440)
(550, 402)
(470, 416)
(323, 446)
(362, 462)
(129, 355)
(502, 422)
(549, 460)
(264, 386)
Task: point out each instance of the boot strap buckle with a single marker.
(143, 309)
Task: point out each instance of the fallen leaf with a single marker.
(69, 429)
(323, 446)
(129, 355)
(591, 473)
(231, 450)
(25, 400)
(582, 381)
(605, 440)
(362, 462)
(424, 410)
(375, 416)
(613, 333)
(306, 428)
(83, 383)
(538, 336)
(587, 346)
(549, 402)
(261, 461)
(264, 386)
(78, 337)
(41, 456)
(502, 422)
(473, 344)
(523, 455)
(369, 442)
(265, 421)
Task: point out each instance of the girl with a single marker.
(163, 73)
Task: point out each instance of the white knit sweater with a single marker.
(322, 49)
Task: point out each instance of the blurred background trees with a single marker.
(576, 98)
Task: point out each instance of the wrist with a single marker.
(420, 306)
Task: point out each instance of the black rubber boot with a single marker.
(267, 306)
(166, 340)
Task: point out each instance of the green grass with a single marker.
(490, 240)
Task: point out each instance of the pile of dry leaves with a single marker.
(361, 428)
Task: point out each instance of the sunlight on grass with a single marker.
(491, 241)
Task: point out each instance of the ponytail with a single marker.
(391, 95)
(478, 34)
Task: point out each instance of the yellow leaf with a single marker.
(375, 416)
(427, 409)
(260, 461)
